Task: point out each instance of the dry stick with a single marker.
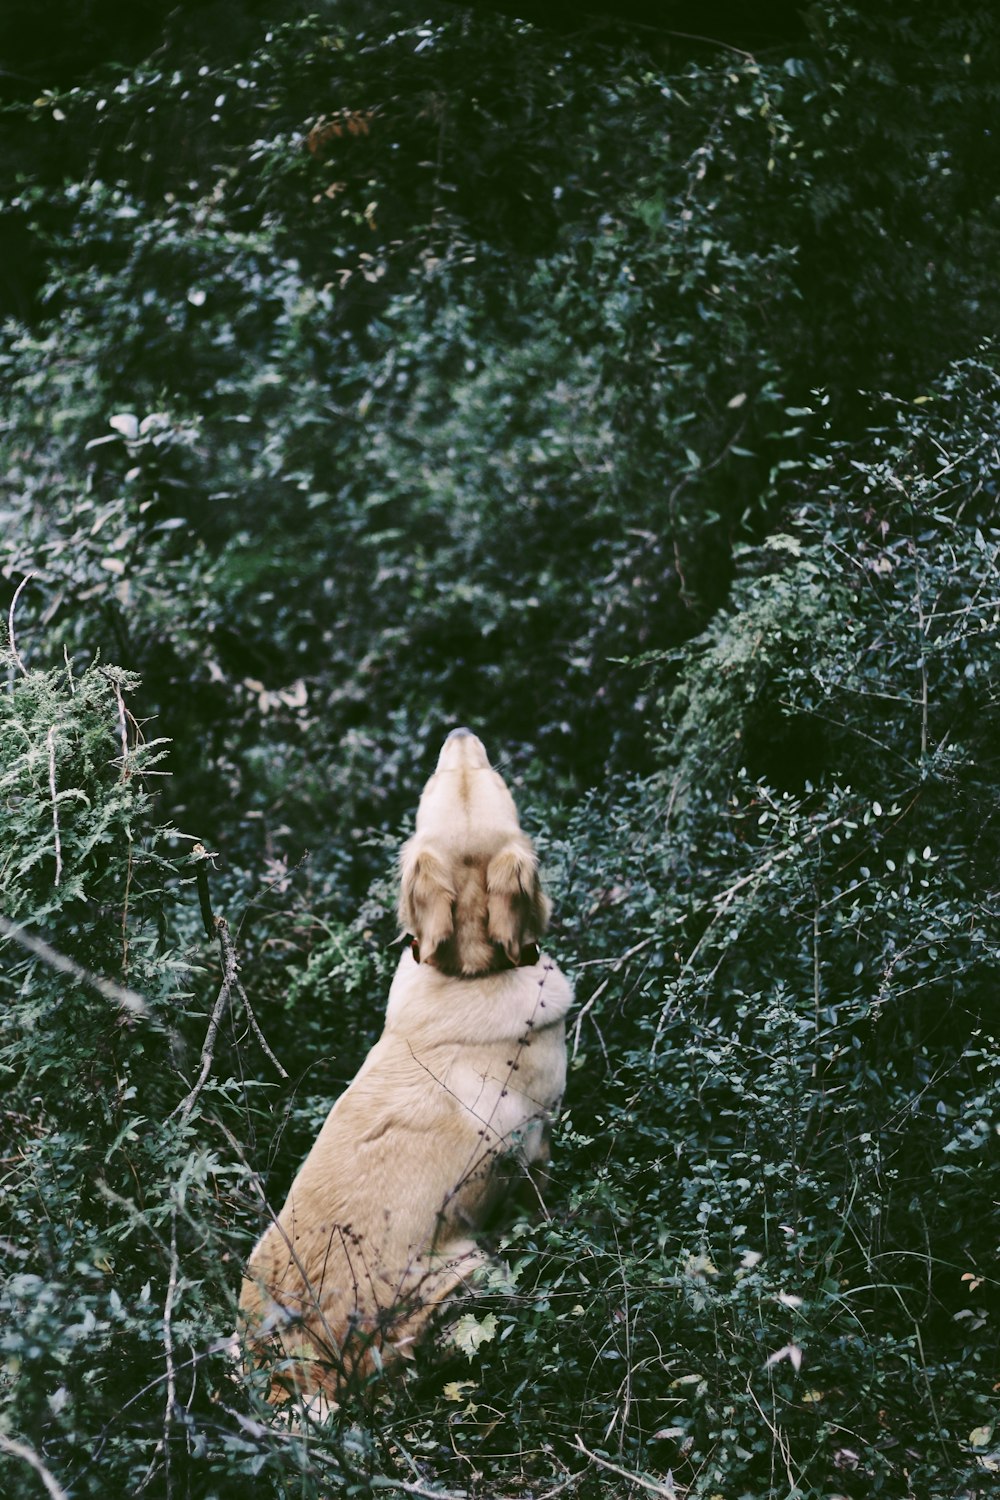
(163, 1443)
(817, 991)
(564, 1484)
(123, 730)
(383, 1482)
(780, 1439)
(626, 1385)
(256, 1184)
(616, 963)
(201, 881)
(230, 961)
(208, 1047)
(10, 622)
(116, 993)
(924, 701)
(50, 740)
(667, 1492)
(230, 981)
(694, 36)
(30, 1457)
(122, 724)
(229, 952)
(617, 959)
(168, 1345)
(151, 1470)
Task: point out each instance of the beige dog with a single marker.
(379, 1228)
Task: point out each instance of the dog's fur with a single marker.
(379, 1228)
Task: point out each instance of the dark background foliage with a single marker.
(619, 385)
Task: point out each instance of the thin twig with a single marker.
(781, 1442)
(223, 998)
(203, 858)
(50, 740)
(230, 982)
(163, 1443)
(30, 1457)
(626, 1386)
(564, 1484)
(924, 698)
(617, 959)
(10, 622)
(583, 1011)
(384, 1482)
(219, 927)
(151, 1466)
(232, 965)
(816, 991)
(122, 723)
(116, 993)
(667, 1491)
(255, 1028)
(713, 41)
(723, 900)
(168, 1346)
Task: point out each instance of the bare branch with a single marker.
(10, 622)
(50, 740)
(30, 1457)
(116, 993)
(223, 999)
(122, 723)
(667, 1491)
(255, 1026)
(230, 982)
(168, 1345)
(724, 899)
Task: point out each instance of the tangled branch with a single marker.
(230, 982)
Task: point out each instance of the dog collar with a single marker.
(528, 959)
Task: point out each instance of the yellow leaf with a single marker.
(469, 1332)
(455, 1389)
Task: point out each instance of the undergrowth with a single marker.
(769, 1260)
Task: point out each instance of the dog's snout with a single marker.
(463, 751)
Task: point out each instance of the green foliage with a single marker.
(458, 396)
(809, 989)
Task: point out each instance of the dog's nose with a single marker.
(463, 751)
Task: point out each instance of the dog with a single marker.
(379, 1233)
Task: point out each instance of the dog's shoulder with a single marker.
(438, 1008)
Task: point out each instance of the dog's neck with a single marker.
(501, 963)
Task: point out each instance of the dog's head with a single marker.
(469, 888)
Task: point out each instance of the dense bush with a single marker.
(769, 1257)
(458, 396)
(627, 402)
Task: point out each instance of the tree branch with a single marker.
(30, 1457)
(10, 622)
(116, 993)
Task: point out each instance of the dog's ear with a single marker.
(426, 899)
(517, 907)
